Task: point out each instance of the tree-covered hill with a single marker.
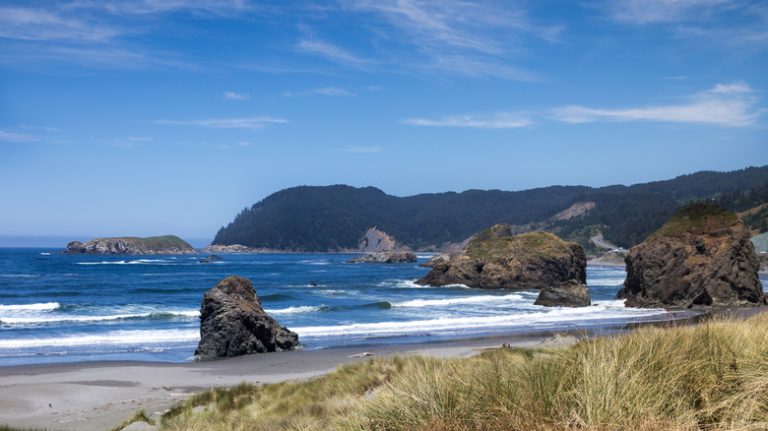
(328, 218)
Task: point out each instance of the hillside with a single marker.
(329, 218)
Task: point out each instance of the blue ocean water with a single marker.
(56, 307)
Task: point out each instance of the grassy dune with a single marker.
(712, 376)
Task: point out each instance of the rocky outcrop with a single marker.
(375, 240)
(233, 323)
(211, 258)
(702, 257)
(498, 259)
(567, 295)
(233, 248)
(386, 257)
(167, 244)
(436, 260)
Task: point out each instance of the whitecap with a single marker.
(482, 299)
(546, 317)
(42, 306)
(60, 318)
(295, 310)
(124, 337)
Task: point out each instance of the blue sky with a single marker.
(141, 117)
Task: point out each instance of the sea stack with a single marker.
(498, 259)
(129, 245)
(233, 323)
(386, 257)
(702, 257)
(375, 240)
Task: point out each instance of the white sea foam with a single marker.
(295, 310)
(481, 299)
(128, 337)
(548, 317)
(19, 275)
(42, 306)
(610, 281)
(315, 262)
(130, 262)
(45, 254)
(56, 318)
(411, 284)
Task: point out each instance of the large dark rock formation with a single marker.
(701, 257)
(167, 244)
(232, 323)
(498, 259)
(386, 257)
(375, 240)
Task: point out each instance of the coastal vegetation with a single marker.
(332, 218)
(709, 376)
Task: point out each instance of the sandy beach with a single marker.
(100, 395)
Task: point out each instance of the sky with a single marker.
(140, 117)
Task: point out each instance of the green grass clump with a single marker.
(495, 244)
(712, 376)
(698, 218)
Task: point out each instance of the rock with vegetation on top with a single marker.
(386, 257)
(167, 244)
(701, 257)
(498, 259)
(375, 240)
(233, 323)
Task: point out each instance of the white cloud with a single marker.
(502, 120)
(333, 53)
(324, 91)
(730, 104)
(231, 95)
(655, 11)
(360, 149)
(48, 24)
(458, 37)
(16, 137)
(256, 122)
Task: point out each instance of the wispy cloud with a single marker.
(101, 57)
(324, 91)
(231, 95)
(732, 105)
(655, 11)
(6, 136)
(729, 22)
(460, 37)
(333, 53)
(256, 122)
(361, 149)
(49, 24)
(501, 120)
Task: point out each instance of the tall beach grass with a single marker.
(711, 376)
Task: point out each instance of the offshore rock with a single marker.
(702, 257)
(375, 240)
(568, 295)
(498, 259)
(386, 257)
(167, 244)
(233, 323)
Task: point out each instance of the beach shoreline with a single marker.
(101, 394)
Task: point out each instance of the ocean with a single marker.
(67, 308)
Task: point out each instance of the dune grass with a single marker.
(712, 376)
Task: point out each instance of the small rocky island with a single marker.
(702, 257)
(380, 247)
(386, 257)
(498, 259)
(166, 244)
(233, 323)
